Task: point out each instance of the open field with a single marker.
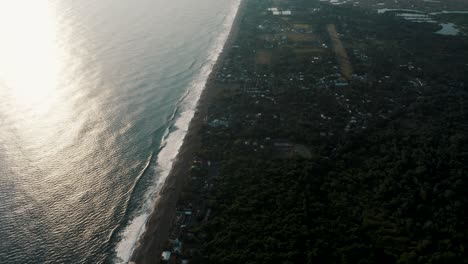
(302, 26)
(299, 37)
(340, 52)
(263, 57)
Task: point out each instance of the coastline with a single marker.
(151, 243)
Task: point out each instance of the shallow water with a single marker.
(448, 29)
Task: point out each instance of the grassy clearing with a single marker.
(340, 52)
(263, 57)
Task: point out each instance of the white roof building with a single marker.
(166, 255)
(276, 12)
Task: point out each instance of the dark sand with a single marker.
(151, 243)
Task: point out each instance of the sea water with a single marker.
(95, 100)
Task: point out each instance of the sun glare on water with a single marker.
(30, 56)
(38, 77)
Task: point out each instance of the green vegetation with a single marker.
(313, 167)
(395, 195)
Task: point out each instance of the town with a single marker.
(325, 113)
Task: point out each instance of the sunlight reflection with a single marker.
(36, 85)
(30, 65)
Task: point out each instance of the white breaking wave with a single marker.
(172, 143)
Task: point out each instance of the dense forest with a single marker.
(393, 190)
(396, 194)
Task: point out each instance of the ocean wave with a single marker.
(114, 232)
(171, 142)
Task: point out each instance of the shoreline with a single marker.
(150, 244)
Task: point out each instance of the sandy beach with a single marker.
(150, 246)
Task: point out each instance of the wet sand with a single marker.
(149, 248)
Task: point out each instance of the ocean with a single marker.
(95, 100)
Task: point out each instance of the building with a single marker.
(166, 256)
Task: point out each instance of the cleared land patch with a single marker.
(263, 57)
(300, 37)
(340, 52)
(302, 26)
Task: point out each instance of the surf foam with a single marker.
(172, 143)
